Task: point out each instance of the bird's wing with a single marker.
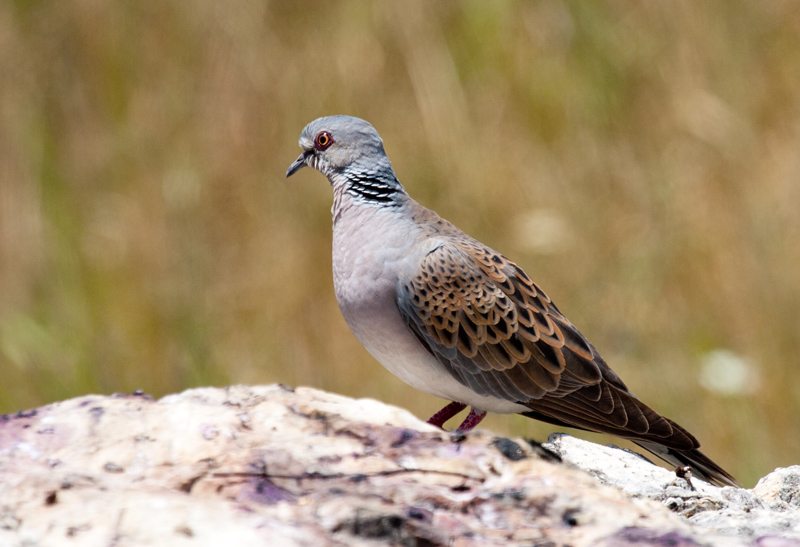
(494, 330)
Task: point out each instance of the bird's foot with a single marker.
(446, 413)
(473, 418)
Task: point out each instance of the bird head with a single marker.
(336, 144)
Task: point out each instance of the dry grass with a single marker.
(640, 160)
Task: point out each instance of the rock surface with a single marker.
(269, 465)
(772, 508)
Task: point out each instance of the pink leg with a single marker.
(446, 413)
(473, 419)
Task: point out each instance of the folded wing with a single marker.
(494, 330)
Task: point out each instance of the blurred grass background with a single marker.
(641, 160)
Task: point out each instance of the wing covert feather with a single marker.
(468, 299)
(494, 330)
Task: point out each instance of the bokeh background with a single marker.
(641, 160)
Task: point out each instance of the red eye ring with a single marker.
(323, 140)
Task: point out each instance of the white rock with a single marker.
(269, 465)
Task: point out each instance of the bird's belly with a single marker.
(382, 331)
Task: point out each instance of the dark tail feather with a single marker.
(702, 466)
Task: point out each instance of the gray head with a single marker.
(347, 150)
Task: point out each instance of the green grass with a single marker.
(639, 160)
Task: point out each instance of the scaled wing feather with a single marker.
(494, 330)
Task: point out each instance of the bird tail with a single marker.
(702, 466)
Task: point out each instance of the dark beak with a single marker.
(298, 164)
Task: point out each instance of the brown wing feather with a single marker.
(495, 331)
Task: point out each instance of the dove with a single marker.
(458, 320)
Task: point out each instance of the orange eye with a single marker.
(323, 140)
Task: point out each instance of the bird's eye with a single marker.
(323, 140)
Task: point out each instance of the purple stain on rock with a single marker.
(97, 412)
(21, 415)
(405, 436)
(645, 536)
(13, 426)
(264, 491)
(209, 432)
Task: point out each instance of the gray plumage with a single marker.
(456, 319)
